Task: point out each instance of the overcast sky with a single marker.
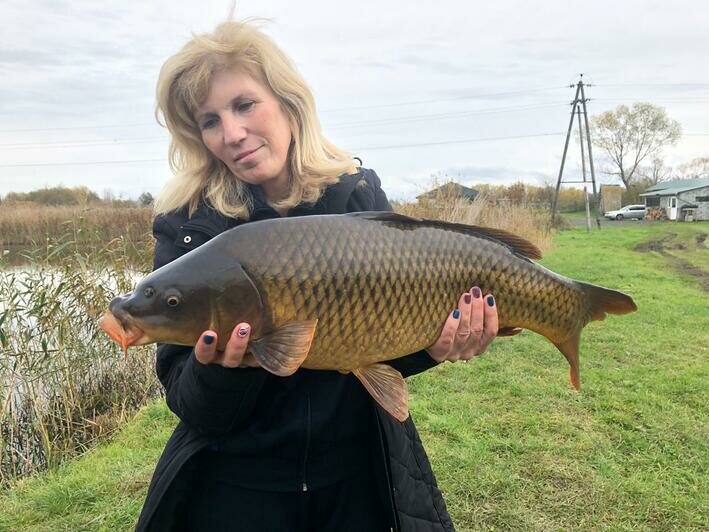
(397, 82)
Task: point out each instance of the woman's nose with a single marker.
(234, 130)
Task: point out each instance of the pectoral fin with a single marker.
(509, 331)
(388, 388)
(283, 351)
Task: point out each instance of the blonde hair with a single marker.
(183, 85)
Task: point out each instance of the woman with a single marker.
(254, 451)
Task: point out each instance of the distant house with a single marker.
(681, 198)
(449, 190)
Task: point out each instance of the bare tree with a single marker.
(698, 167)
(631, 135)
(655, 172)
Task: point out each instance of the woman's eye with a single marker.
(245, 106)
(208, 124)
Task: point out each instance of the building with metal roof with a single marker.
(682, 199)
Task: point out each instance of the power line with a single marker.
(436, 100)
(462, 141)
(381, 106)
(71, 128)
(84, 163)
(421, 118)
(651, 84)
(415, 102)
(80, 143)
(370, 148)
(653, 100)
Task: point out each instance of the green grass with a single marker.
(513, 446)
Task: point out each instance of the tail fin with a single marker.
(601, 301)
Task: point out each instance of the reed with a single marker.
(63, 384)
(528, 222)
(49, 233)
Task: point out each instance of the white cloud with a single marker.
(76, 64)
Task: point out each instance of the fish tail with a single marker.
(604, 301)
(601, 301)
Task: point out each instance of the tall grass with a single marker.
(57, 233)
(63, 383)
(446, 205)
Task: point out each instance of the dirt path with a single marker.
(669, 242)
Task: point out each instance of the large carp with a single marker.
(347, 292)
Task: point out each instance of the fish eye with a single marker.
(149, 292)
(173, 301)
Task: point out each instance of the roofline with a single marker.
(660, 192)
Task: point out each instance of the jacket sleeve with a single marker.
(376, 200)
(208, 397)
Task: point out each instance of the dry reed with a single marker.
(446, 205)
(63, 384)
(54, 233)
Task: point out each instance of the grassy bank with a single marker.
(513, 446)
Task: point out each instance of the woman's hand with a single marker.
(234, 354)
(468, 330)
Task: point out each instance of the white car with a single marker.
(629, 211)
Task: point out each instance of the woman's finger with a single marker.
(439, 350)
(477, 314)
(491, 322)
(205, 350)
(463, 332)
(236, 346)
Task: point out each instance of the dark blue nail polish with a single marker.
(208, 339)
(491, 301)
(456, 314)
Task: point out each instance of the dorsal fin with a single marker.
(516, 243)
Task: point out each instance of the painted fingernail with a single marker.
(476, 292)
(243, 331)
(491, 301)
(466, 298)
(208, 339)
(456, 314)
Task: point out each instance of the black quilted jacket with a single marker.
(405, 481)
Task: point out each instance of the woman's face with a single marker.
(243, 125)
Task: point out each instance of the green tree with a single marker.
(629, 135)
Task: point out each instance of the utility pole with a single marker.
(578, 107)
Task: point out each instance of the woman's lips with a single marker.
(248, 155)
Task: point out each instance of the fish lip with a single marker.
(121, 331)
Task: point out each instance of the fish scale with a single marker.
(386, 288)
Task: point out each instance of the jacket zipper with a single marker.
(307, 445)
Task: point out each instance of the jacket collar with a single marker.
(333, 201)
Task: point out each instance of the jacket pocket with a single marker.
(193, 234)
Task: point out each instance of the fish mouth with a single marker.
(124, 334)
